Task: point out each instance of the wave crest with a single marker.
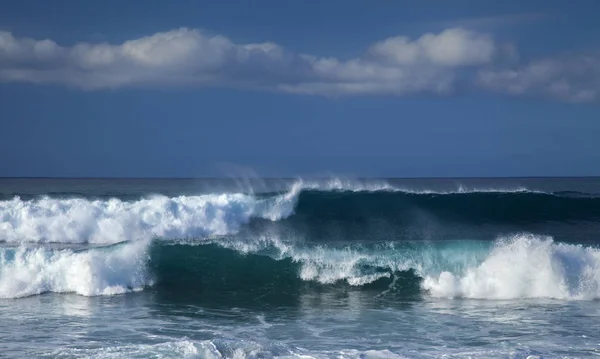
(79, 220)
(521, 266)
(103, 271)
(525, 266)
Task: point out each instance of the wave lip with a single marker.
(342, 184)
(373, 185)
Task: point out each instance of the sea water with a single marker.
(292, 268)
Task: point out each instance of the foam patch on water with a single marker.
(219, 349)
(525, 266)
(103, 271)
(80, 220)
(215, 349)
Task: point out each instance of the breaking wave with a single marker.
(106, 271)
(344, 234)
(524, 266)
(79, 220)
(105, 221)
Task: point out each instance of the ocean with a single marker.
(300, 268)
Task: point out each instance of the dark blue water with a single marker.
(286, 268)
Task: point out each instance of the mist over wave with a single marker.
(525, 266)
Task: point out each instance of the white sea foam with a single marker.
(215, 349)
(102, 271)
(219, 349)
(519, 267)
(26, 270)
(522, 266)
(461, 189)
(525, 266)
(80, 220)
(378, 185)
(345, 184)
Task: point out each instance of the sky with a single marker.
(461, 88)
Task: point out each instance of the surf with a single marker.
(518, 267)
(366, 236)
(318, 207)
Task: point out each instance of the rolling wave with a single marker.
(304, 205)
(525, 266)
(329, 235)
(78, 220)
(26, 271)
(521, 266)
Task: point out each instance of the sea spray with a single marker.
(79, 220)
(353, 233)
(26, 271)
(525, 266)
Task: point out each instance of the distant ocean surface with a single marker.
(299, 268)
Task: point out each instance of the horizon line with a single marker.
(290, 177)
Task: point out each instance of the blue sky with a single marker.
(286, 88)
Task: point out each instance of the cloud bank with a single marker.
(432, 63)
(572, 78)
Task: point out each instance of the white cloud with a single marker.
(431, 63)
(187, 57)
(571, 78)
(452, 47)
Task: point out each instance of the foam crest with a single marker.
(321, 264)
(101, 271)
(356, 265)
(525, 266)
(342, 184)
(377, 185)
(461, 189)
(465, 189)
(330, 266)
(522, 266)
(80, 220)
(360, 265)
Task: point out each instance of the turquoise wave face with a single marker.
(267, 270)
